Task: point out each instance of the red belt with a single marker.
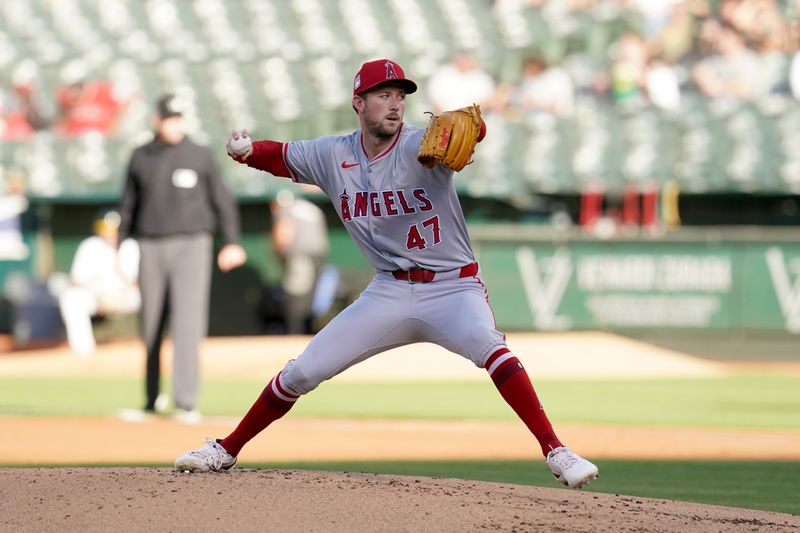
(422, 275)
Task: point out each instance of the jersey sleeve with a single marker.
(439, 175)
(310, 161)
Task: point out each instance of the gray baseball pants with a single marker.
(175, 280)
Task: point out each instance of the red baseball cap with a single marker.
(373, 73)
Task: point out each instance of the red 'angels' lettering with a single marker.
(388, 201)
(421, 195)
(383, 203)
(360, 209)
(345, 205)
(414, 238)
(402, 199)
(373, 201)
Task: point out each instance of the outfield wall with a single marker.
(709, 278)
(737, 279)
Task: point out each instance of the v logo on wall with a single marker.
(786, 282)
(545, 281)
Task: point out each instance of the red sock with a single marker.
(515, 386)
(274, 402)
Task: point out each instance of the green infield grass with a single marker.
(769, 486)
(744, 401)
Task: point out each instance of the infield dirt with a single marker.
(147, 499)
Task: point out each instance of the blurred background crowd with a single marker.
(578, 92)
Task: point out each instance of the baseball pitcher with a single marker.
(392, 186)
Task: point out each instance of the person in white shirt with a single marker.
(544, 89)
(103, 282)
(460, 83)
(730, 73)
(300, 240)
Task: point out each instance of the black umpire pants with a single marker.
(175, 278)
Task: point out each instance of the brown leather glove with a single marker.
(450, 138)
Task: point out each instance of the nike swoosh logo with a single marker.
(349, 165)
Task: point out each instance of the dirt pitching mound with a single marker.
(150, 499)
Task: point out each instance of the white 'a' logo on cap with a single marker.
(390, 73)
(357, 82)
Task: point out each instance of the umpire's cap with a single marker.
(373, 73)
(170, 105)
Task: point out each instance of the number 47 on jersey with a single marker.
(416, 235)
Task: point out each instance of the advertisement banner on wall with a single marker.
(771, 288)
(639, 285)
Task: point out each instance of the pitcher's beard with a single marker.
(382, 131)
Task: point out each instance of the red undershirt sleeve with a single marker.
(267, 156)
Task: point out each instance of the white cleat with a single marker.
(570, 468)
(187, 417)
(210, 458)
(161, 403)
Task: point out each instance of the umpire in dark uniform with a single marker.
(173, 201)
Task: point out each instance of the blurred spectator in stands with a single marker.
(85, 104)
(761, 23)
(733, 72)
(636, 78)
(460, 83)
(543, 89)
(706, 35)
(734, 13)
(103, 282)
(300, 240)
(13, 203)
(22, 110)
(775, 68)
(630, 57)
(655, 14)
(675, 41)
(766, 30)
(772, 31)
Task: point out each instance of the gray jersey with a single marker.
(401, 214)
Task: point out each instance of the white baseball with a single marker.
(241, 146)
